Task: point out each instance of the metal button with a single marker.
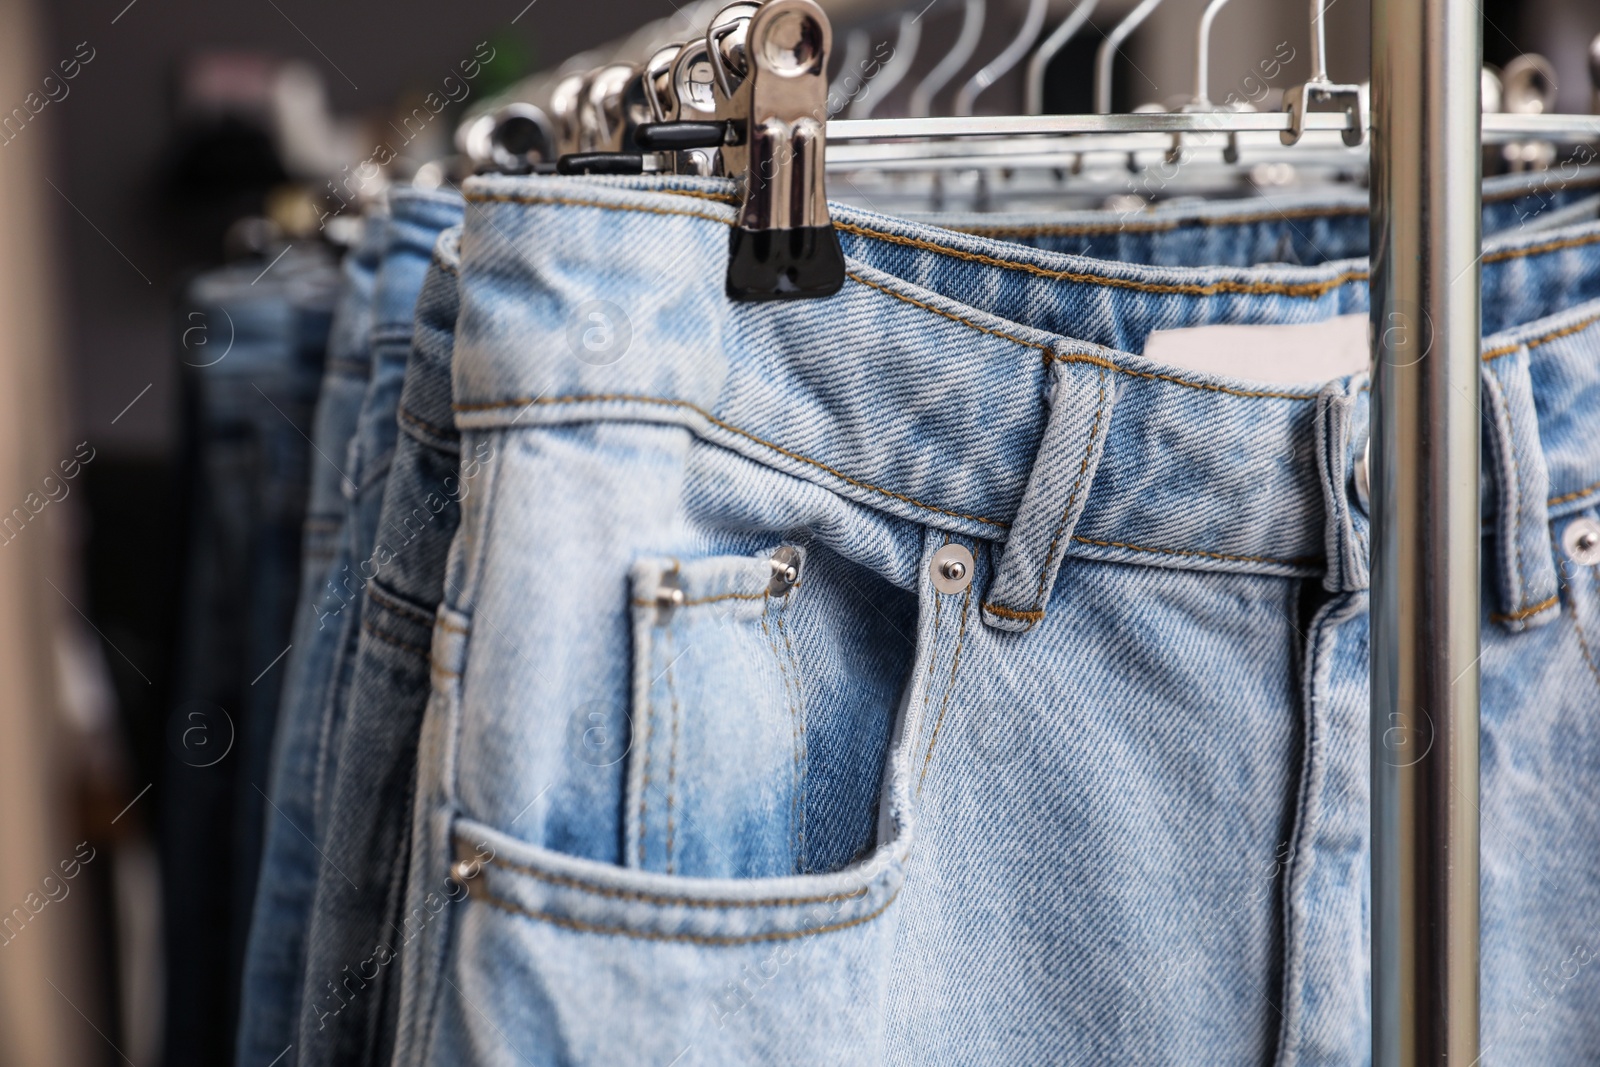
(785, 570)
(1581, 539)
(669, 596)
(465, 871)
(951, 569)
(1363, 479)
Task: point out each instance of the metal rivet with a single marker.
(465, 871)
(669, 596)
(951, 569)
(785, 564)
(1581, 539)
(1363, 479)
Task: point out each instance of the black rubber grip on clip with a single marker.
(600, 163)
(678, 136)
(800, 264)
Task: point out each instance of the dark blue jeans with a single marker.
(249, 391)
(352, 977)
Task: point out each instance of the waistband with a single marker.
(975, 386)
(416, 217)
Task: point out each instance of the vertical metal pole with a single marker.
(1426, 56)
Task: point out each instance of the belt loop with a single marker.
(1341, 434)
(1082, 395)
(1525, 560)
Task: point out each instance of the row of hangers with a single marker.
(749, 98)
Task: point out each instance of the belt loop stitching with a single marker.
(1072, 498)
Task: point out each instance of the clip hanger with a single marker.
(784, 246)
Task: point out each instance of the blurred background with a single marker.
(142, 143)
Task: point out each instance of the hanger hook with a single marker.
(1108, 50)
(1202, 63)
(972, 18)
(1319, 43)
(894, 71)
(1039, 62)
(996, 68)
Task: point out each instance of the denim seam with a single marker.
(788, 699)
(802, 752)
(1548, 246)
(1527, 612)
(1569, 497)
(1100, 361)
(572, 201)
(424, 653)
(1535, 342)
(1311, 290)
(944, 703)
(666, 901)
(949, 315)
(437, 431)
(644, 786)
(1583, 643)
(393, 602)
(672, 767)
(697, 939)
(1089, 229)
(933, 655)
(1295, 561)
(703, 413)
(1292, 289)
(1012, 613)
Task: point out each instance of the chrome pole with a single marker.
(1426, 59)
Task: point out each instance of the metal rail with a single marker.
(1494, 126)
(1426, 233)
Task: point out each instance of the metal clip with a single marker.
(784, 246)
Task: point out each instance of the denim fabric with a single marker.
(1104, 804)
(1296, 228)
(249, 391)
(275, 955)
(416, 220)
(352, 977)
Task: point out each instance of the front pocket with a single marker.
(719, 764)
(562, 960)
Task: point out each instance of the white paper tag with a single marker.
(1281, 355)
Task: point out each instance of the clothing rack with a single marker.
(1426, 234)
(1427, 131)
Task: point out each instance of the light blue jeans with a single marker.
(1099, 798)
(275, 952)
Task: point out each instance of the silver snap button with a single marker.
(1581, 539)
(785, 570)
(1363, 479)
(951, 569)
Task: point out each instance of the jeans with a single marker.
(252, 347)
(1274, 227)
(923, 676)
(275, 957)
(352, 977)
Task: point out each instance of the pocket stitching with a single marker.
(698, 939)
(666, 901)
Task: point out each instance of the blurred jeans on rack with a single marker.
(352, 975)
(1099, 797)
(275, 956)
(252, 340)
(296, 859)
(1277, 226)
